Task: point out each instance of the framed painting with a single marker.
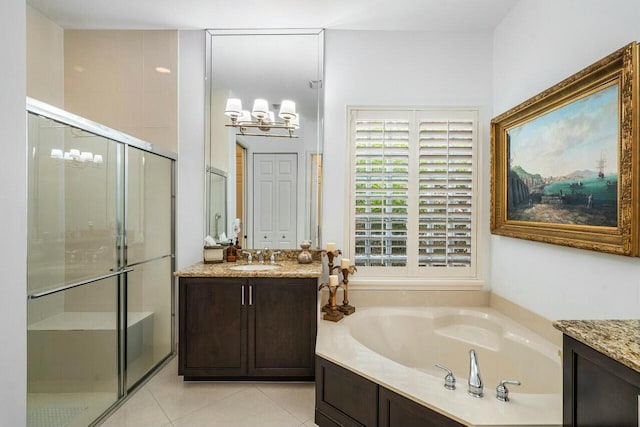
(564, 164)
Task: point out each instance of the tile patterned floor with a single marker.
(167, 401)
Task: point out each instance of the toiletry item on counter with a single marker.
(213, 252)
(304, 257)
(231, 254)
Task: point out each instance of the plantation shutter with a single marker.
(412, 203)
(381, 192)
(445, 193)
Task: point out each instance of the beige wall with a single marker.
(45, 59)
(111, 77)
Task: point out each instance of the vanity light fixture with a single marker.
(263, 119)
(77, 157)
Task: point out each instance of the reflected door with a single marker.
(275, 200)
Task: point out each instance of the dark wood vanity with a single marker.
(247, 327)
(601, 372)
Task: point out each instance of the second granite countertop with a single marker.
(286, 268)
(618, 339)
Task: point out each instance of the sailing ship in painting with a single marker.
(562, 167)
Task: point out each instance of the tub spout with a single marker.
(475, 381)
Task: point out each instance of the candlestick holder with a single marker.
(330, 256)
(347, 308)
(332, 314)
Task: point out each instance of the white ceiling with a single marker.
(402, 15)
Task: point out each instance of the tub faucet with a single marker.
(475, 382)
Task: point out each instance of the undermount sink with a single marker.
(254, 267)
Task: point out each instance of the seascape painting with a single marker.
(562, 166)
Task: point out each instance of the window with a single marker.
(413, 195)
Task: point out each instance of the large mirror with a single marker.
(273, 165)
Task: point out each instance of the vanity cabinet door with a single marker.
(398, 411)
(213, 333)
(598, 391)
(282, 327)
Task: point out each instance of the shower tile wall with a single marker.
(127, 80)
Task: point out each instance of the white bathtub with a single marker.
(397, 347)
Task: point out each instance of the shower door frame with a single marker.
(122, 268)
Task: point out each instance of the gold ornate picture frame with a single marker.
(565, 163)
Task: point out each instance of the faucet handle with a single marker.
(272, 258)
(249, 257)
(449, 379)
(502, 390)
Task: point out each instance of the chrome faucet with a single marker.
(502, 392)
(249, 257)
(272, 258)
(475, 382)
(260, 255)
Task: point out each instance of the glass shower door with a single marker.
(149, 249)
(73, 281)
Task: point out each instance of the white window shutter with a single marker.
(381, 187)
(446, 193)
(414, 191)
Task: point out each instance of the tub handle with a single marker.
(502, 393)
(449, 379)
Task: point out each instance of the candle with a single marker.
(345, 263)
(333, 280)
(331, 247)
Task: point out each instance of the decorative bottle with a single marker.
(304, 257)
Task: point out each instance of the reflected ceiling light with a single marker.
(77, 158)
(263, 119)
(163, 70)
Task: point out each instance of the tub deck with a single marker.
(348, 344)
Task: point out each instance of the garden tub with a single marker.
(398, 347)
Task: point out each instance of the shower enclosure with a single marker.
(100, 260)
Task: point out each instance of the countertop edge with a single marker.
(616, 339)
(289, 269)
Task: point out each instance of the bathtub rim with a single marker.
(335, 344)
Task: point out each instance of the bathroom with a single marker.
(492, 63)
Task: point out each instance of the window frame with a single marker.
(412, 276)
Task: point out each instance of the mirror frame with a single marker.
(209, 34)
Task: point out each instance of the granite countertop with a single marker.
(618, 339)
(288, 268)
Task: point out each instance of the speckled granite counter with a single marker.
(287, 268)
(618, 339)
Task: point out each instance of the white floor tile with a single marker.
(168, 401)
(178, 398)
(296, 398)
(249, 408)
(141, 410)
